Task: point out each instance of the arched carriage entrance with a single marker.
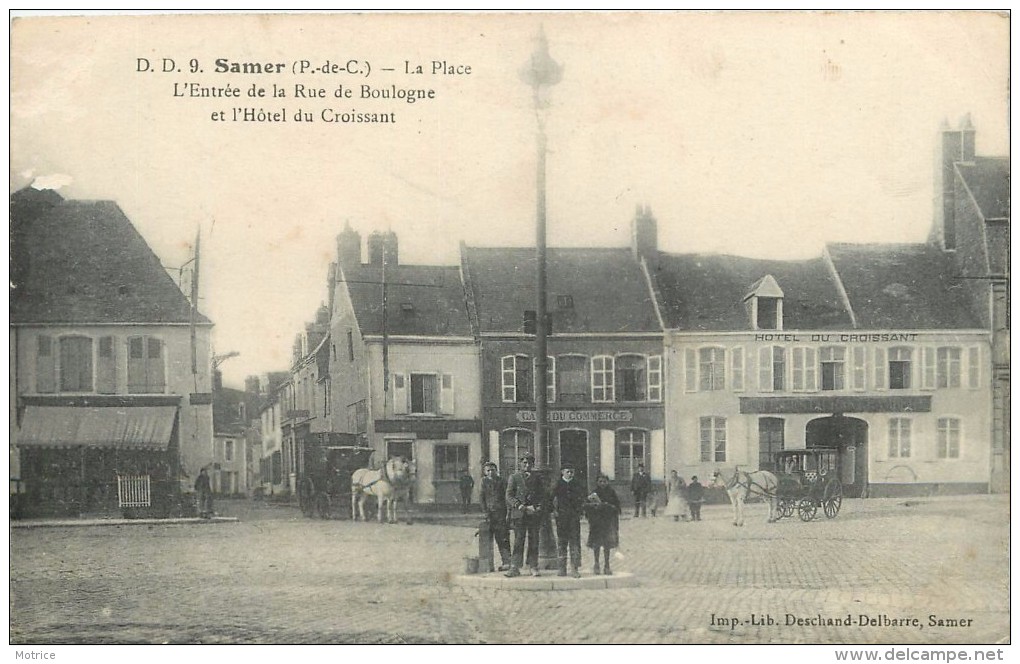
(850, 435)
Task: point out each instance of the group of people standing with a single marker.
(683, 501)
(522, 502)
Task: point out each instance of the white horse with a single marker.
(391, 482)
(743, 484)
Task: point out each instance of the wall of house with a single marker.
(195, 426)
(456, 425)
(577, 418)
(970, 404)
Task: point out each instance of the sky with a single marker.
(757, 134)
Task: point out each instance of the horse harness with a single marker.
(385, 475)
(735, 482)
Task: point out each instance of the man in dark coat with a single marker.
(695, 497)
(203, 489)
(467, 485)
(526, 503)
(641, 486)
(568, 506)
(494, 507)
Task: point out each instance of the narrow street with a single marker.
(275, 577)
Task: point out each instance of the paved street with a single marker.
(274, 577)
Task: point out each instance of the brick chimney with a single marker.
(644, 241)
(380, 243)
(348, 247)
(955, 146)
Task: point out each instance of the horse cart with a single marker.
(809, 481)
(325, 463)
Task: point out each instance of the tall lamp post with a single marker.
(541, 72)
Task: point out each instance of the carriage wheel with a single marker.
(833, 499)
(306, 497)
(807, 508)
(322, 505)
(786, 506)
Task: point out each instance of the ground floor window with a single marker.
(451, 462)
(631, 445)
(513, 443)
(771, 433)
(400, 448)
(899, 438)
(948, 438)
(713, 439)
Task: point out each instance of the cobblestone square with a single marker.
(876, 574)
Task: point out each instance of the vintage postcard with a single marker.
(511, 328)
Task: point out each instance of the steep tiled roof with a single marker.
(607, 289)
(421, 300)
(987, 179)
(84, 262)
(706, 292)
(902, 286)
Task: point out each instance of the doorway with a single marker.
(574, 450)
(771, 439)
(850, 436)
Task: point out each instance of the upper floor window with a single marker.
(768, 313)
(900, 361)
(948, 367)
(833, 359)
(711, 369)
(602, 386)
(948, 440)
(423, 394)
(228, 450)
(516, 373)
(899, 437)
(145, 367)
(550, 378)
(805, 370)
(573, 378)
(631, 378)
(350, 345)
(772, 369)
(75, 364)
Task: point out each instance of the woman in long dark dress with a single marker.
(603, 512)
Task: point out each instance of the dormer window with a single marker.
(764, 304)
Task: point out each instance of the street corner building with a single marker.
(895, 354)
(110, 395)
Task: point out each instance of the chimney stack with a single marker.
(644, 237)
(956, 145)
(348, 248)
(380, 243)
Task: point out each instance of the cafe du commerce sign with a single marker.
(579, 416)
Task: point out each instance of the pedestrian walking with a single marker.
(568, 499)
(603, 512)
(203, 490)
(640, 487)
(494, 507)
(695, 497)
(467, 485)
(676, 501)
(526, 504)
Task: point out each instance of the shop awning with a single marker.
(140, 428)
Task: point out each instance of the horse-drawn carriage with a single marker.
(326, 462)
(808, 480)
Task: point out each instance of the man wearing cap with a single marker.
(568, 505)
(525, 498)
(494, 507)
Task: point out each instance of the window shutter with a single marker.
(607, 449)
(45, 366)
(654, 375)
(106, 367)
(509, 379)
(154, 365)
(737, 368)
(810, 369)
(881, 370)
(860, 369)
(765, 383)
(974, 367)
(447, 404)
(928, 368)
(400, 394)
(690, 370)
